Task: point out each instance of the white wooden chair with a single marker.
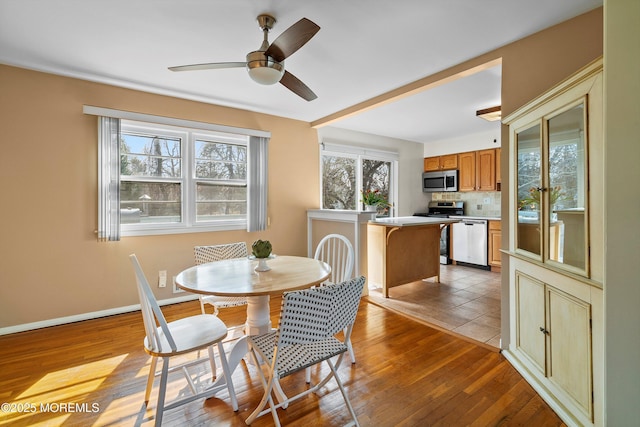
(309, 321)
(165, 340)
(204, 254)
(337, 251)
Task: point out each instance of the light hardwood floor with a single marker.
(465, 302)
(407, 374)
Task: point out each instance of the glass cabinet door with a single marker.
(566, 188)
(529, 184)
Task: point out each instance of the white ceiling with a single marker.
(364, 48)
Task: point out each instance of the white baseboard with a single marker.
(552, 399)
(87, 316)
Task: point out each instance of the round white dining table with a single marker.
(237, 277)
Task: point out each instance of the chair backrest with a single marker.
(318, 313)
(212, 253)
(337, 251)
(151, 312)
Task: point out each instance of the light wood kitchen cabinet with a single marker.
(556, 241)
(431, 164)
(446, 162)
(498, 173)
(486, 170)
(477, 170)
(495, 243)
(467, 171)
(449, 161)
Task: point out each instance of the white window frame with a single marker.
(187, 180)
(257, 163)
(360, 154)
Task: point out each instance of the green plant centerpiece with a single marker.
(261, 249)
(374, 198)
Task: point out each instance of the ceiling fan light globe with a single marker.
(263, 69)
(265, 75)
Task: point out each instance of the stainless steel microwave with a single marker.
(436, 182)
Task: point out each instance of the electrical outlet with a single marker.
(162, 279)
(176, 289)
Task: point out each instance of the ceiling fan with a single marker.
(266, 65)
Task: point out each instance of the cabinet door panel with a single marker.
(567, 187)
(530, 302)
(570, 346)
(449, 161)
(467, 174)
(498, 166)
(495, 242)
(486, 169)
(431, 164)
(529, 184)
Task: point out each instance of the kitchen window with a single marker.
(346, 170)
(167, 176)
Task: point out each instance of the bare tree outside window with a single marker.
(151, 172)
(221, 172)
(340, 189)
(376, 176)
(339, 183)
(150, 169)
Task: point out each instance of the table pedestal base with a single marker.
(258, 318)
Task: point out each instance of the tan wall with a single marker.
(51, 265)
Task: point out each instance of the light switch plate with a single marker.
(162, 279)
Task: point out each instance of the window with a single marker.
(183, 177)
(151, 169)
(345, 171)
(163, 176)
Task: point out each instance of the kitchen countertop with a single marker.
(402, 221)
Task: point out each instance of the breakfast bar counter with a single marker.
(402, 250)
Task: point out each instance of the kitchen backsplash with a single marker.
(475, 203)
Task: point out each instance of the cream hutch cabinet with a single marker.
(556, 246)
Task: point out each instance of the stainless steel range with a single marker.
(444, 210)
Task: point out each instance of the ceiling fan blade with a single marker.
(209, 66)
(292, 83)
(292, 39)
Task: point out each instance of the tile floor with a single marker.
(466, 302)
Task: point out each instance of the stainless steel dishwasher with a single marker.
(470, 241)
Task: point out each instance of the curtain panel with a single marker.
(257, 183)
(108, 179)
